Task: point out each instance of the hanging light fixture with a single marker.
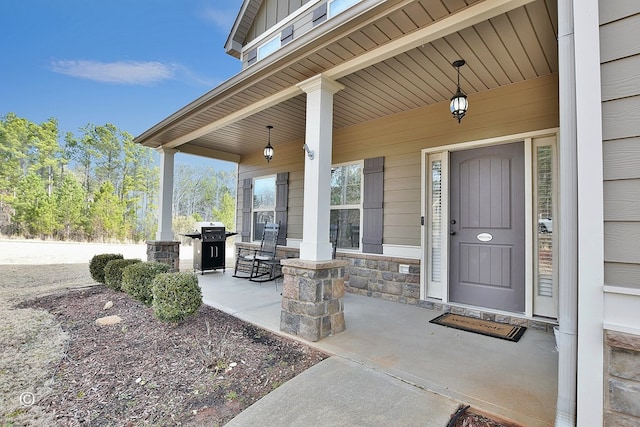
(459, 103)
(268, 150)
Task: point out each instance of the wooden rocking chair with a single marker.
(260, 265)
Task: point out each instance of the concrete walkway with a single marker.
(392, 367)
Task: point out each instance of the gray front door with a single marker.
(487, 242)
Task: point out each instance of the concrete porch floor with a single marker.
(394, 366)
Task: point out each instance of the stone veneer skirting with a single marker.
(166, 252)
(622, 393)
(312, 298)
(379, 276)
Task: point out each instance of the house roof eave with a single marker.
(233, 45)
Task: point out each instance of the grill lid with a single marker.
(201, 224)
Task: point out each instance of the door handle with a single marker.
(452, 233)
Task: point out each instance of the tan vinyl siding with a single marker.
(619, 39)
(622, 201)
(621, 241)
(620, 58)
(517, 108)
(612, 10)
(621, 159)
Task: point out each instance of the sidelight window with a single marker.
(545, 281)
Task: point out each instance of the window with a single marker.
(264, 204)
(269, 47)
(544, 213)
(338, 6)
(346, 204)
(435, 218)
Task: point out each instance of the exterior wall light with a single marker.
(268, 150)
(459, 103)
(310, 153)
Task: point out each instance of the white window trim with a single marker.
(427, 155)
(358, 206)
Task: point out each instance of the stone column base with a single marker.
(312, 298)
(166, 252)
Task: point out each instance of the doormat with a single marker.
(479, 326)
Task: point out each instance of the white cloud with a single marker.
(119, 72)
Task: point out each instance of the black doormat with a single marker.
(479, 326)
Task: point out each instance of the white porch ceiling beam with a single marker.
(209, 153)
(243, 113)
(474, 14)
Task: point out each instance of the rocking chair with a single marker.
(260, 265)
(334, 233)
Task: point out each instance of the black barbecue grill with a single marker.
(209, 247)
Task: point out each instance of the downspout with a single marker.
(568, 221)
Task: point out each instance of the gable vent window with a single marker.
(269, 47)
(338, 6)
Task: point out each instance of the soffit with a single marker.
(241, 26)
(511, 47)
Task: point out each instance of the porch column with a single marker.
(165, 200)
(315, 245)
(590, 396)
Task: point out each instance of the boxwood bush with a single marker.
(137, 279)
(113, 272)
(175, 296)
(98, 263)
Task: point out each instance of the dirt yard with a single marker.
(59, 368)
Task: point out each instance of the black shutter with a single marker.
(247, 204)
(319, 14)
(282, 201)
(372, 215)
(252, 56)
(286, 35)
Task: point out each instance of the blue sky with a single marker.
(130, 63)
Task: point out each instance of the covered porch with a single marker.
(422, 362)
(374, 88)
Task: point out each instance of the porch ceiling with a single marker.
(510, 47)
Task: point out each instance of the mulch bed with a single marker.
(141, 371)
(466, 416)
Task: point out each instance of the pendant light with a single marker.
(459, 103)
(268, 150)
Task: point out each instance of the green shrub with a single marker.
(98, 263)
(175, 296)
(113, 272)
(138, 278)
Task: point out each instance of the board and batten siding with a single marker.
(518, 108)
(270, 13)
(620, 62)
